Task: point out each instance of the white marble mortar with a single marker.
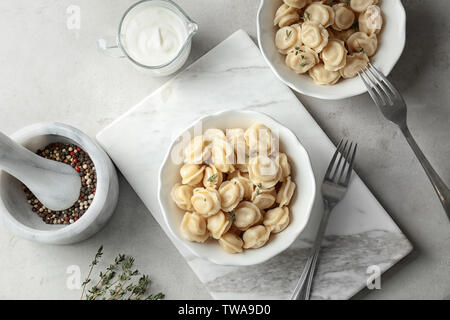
(16, 213)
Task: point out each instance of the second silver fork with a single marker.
(391, 103)
(334, 187)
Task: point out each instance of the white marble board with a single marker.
(234, 75)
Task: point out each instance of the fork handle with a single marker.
(441, 189)
(302, 290)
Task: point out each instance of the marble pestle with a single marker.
(55, 184)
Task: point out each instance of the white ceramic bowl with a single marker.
(300, 206)
(15, 212)
(391, 43)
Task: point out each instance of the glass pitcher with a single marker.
(118, 49)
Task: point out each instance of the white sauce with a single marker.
(154, 35)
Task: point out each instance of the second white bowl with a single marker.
(300, 207)
(391, 43)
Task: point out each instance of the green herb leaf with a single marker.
(213, 178)
(307, 16)
(288, 33)
(158, 296)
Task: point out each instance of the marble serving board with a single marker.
(234, 75)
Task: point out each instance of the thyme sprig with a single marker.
(94, 262)
(117, 282)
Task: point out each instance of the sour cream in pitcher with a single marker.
(153, 36)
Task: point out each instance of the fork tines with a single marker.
(340, 168)
(378, 86)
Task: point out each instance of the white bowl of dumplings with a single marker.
(387, 42)
(280, 223)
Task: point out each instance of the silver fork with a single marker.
(334, 187)
(393, 107)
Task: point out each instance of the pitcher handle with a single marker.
(111, 50)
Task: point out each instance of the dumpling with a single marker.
(181, 195)
(247, 184)
(194, 152)
(245, 181)
(320, 13)
(264, 198)
(277, 219)
(235, 138)
(231, 243)
(323, 76)
(212, 178)
(342, 35)
(299, 4)
(361, 5)
(242, 167)
(334, 55)
(371, 20)
(234, 229)
(285, 16)
(192, 174)
(344, 17)
(255, 237)
(284, 165)
(264, 171)
(286, 192)
(206, 202)
(207, 153)
(223, 156)
(231, 193)
(361, 42)
(355, 63)
(258, 138)
(288, 38)
(246, 215)
(213, 134)
(193, 227)
(301, 59)
(314, 36)
(218, 224)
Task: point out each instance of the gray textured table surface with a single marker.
(51, 73)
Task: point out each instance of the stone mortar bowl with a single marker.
(16, 214)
